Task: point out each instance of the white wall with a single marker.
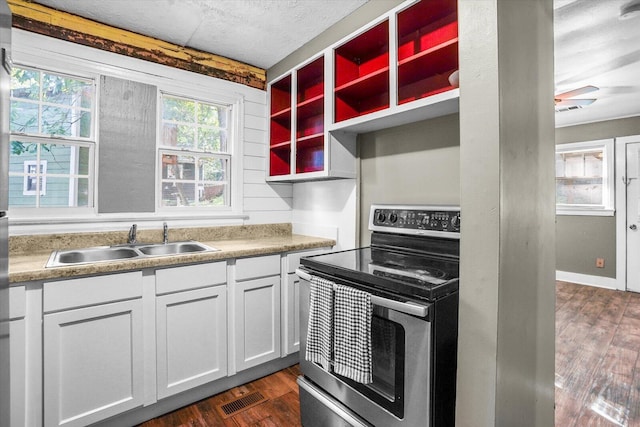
(326, 209)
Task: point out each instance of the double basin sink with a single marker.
(123, 252)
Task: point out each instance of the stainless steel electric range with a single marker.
(411, 272)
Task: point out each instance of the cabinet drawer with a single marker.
(190, 277)
(91, 290)
(249, 268)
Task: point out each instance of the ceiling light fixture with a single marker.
(630, 9)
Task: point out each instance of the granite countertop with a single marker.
(27, 265)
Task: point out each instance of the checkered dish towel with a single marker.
(320, 319)
(352, 334)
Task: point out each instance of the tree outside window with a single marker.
(52, 125)
(194, 153)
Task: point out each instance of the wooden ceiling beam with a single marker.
(50, 22)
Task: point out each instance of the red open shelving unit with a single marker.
(310, 117)
(362, 74)
(280, 128)
(427, 54)
(427, 48)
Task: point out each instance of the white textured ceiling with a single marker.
(593, 46)
(257, 32)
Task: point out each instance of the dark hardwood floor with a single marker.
(597, 370)
(597, 364)
(281, 407)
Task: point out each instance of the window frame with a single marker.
(42, 52)
(230, 155)
(608, 178)
(90, 142)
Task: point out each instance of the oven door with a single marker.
(401, 354)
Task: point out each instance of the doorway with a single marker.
(628, 212)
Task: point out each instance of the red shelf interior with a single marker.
(280, 128)
(419, 18)
(428, 74)
(427, 48)
(310, 154)
(310, 125)
(310, 99)
(281, 95)
(362, 69)
(280, 158)
(310, 80)
(280, 121)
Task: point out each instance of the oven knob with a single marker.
(393, 218)
(381, 217)
(455, 222)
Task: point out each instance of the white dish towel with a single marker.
(352, 334)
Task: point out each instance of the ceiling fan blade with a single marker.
(571, 102)
(577, 92)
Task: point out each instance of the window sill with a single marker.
(79, 224)
(586, 212)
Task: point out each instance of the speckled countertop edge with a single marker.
(29, 267)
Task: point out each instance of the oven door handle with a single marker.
(407, 307)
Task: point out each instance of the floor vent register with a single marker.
(231, 408)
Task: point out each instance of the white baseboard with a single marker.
(587, 279)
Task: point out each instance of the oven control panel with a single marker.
(415, 219)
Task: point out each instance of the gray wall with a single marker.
(582, 239)
(415, 163)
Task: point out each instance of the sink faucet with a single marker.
(165, 233)
(132, 234)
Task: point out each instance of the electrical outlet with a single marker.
(600, 262)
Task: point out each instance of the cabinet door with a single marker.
(257, 310)
(17, 354)
(290, 312)
(93, 366)
(17, 362)
(191, 339)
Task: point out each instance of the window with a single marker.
(33, 178)
(584, 178)
(52, 140)
(194, 153)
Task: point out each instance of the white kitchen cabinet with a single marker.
(93, 354)
(290, 316)
(17, 354)
(191, 327)
(256, 311)
(291, 301)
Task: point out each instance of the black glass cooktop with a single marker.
(404, 273)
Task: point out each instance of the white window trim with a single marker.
(608, 181)
(56, 64)
(233, 135)
(61, 56)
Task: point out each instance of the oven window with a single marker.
(387, 348)
(384, 339)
